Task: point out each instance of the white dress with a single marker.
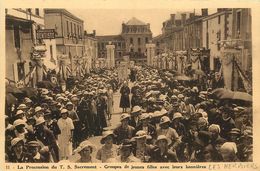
(65, 125)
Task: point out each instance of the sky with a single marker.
(109, 21)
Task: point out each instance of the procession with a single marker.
(165, 107)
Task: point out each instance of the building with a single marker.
(136, 34)
(91, 50)
(69, 36)
(216, 28)
(117, 40)
(22, 63)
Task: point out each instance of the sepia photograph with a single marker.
(128, 85)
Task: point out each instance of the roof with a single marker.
(110, 38)
(135, 21)
(61, 10)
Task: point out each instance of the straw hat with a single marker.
(18, 122)
(37, 109)
(33, 144)
(144, 116)
(165, 119)
(157, 114)
(136, 109)
(83, 145)
(105, 135)
(15, 141)
(22, 106)
(124, 116)
(19, 112)
(177, 115)
(141, 134)
(163, 137)
(63, 111)
(39, 121)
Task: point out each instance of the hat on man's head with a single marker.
(22, 106)
(39, 121)
(105, 135)
(19, 112)
(136, 109)
(163, 137)
(18, 122)
(165, 119)
(16, 141)
(124, 116)
(37, 109)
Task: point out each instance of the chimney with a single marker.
(204, 12)
(183, 18)
(173, 18)
(192, 15)
(94, 33)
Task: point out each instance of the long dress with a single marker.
(65, 125)
(110, 101)
(124, 100)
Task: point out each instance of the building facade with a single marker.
(117, 40)
(91, 50)
(136, 34)
(216, 28)
(69, 35)
(22, 44)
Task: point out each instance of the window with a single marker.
(119, 54)
(78, 30)
(132, 50)
(146, 40)
(119, 45)
(207, 40)
(29, 10)
(207, 24)
(139, 50)
(68, 28)
(139, 41)
(51, 53)
(238, 21)
(17, 37)
(131, 40)
(37, 11)
(75, 29)
(20, 69)
(71, 28)
(219, 19)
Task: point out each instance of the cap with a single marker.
(33, 144)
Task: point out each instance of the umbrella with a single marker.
(10, 99)
(198, 72)
(45, 84)
(222, 93)
(12, 89)
(242, 96)
(182, 78)
(29, 91)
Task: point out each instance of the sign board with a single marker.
(45, 34)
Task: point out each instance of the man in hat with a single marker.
(33, 148)
(136, 112)
(109, 149)
(169, 132)
(18, 154)
(124, 130)
(20, 115)
(51, 124)
(245, 145)
(218, 81)
(47, 138)
(126, 152)
(162, 153)
(19, 129)
(38, 112)
(225, 122)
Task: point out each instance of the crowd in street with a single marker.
(165, 120)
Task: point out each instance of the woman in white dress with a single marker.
(110, 101)
(65, 137)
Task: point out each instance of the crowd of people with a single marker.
(163, 119)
